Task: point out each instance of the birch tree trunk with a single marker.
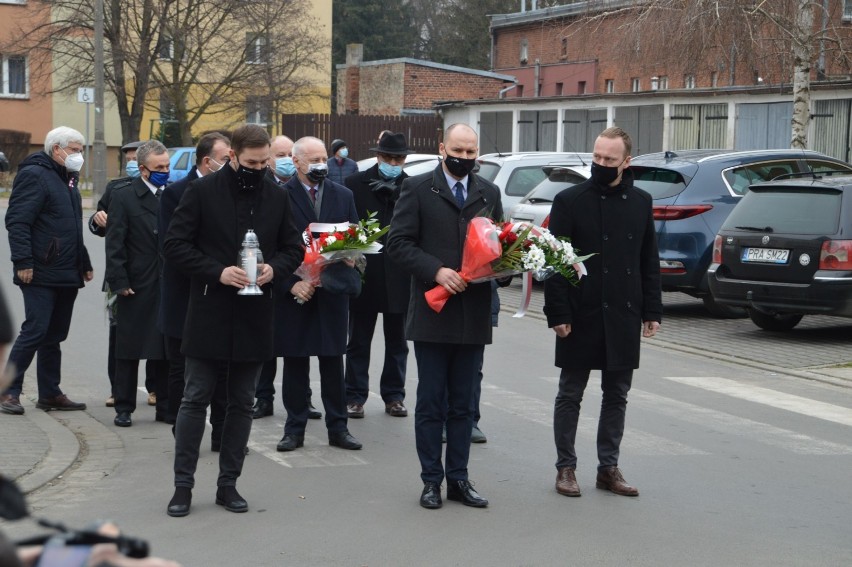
(802, 57)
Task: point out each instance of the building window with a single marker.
(559, 89)
(581, 87)
(847, 10)
(635, 84)
(13, 77)
(524, 51)
(564, 52)
(689, 81)
(664, 82)
(520, 90)
(258, 111)
(609, 85)
(256, 48)
(714, 79)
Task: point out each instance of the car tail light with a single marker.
(677, 212)
(717, 249)
(672, 267)
(836, 255)
(546, 222)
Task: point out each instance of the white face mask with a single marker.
(73, 162)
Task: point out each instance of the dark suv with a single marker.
(694, 191)
(785, 252)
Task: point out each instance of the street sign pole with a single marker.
(86, 95)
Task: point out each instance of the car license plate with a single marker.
(765, 255)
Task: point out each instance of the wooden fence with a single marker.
(360, 133)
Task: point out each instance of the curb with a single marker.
(62, 454)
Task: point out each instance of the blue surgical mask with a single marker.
(159, 178)
(389, 171)
(284, 167)
(132, 168)
(343, 153)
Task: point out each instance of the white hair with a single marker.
(299, 146)
(62, 136)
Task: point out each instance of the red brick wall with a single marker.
(382, 89)
(425, 85)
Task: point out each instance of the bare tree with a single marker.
(770, 42)
(62, 43)
(202, 57)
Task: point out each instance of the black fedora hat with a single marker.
(393, 143)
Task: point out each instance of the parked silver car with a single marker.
(535, 206)
(411, 159)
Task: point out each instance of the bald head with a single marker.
(460, 142)
(307, 151)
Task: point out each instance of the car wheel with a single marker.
(774, 322)
(723, 311)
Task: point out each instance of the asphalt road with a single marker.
(736, 465)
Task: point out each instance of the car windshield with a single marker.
(547, 190)
(827, 168)
(488, 170)
(788, 210)
(661, 183)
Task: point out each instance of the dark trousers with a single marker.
(202, 375)
(614, 384)
(127, 379)
(266, 382)
(362, 324)
(447, 375)
(47, 318)
(176, 383)
(150, 366)
(295, 391)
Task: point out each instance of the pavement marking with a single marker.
(765, 396)
(316, 452)
(537, 411)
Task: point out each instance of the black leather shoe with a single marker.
(180, 502)
(164, 418)
(462, 491)
(122, 419)
(344, 440)
(262, 408)
(313, 413)
(431, 496)
(290, 442)
(228, 497)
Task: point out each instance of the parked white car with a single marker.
(535, 206)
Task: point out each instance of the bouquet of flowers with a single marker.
(338, 242)
(498, 250)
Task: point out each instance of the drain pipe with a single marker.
(502, 93)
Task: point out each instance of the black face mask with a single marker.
(317, 172)
(603, 175)
(459, 166)
(250, 178)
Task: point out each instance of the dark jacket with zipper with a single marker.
(45, 224)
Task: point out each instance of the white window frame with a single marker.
(847, 11)
(257, 48)
(609, 85)
(255, 109)
(525, 51)
(635, 84)
(4, 76)
(689, 81)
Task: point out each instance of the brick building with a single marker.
(408, 86)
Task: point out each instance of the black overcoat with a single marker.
(174, 284)
(385, 288)
(622, 289)
(428, 232)
(133, 261)
(205, 237)
(320, 326)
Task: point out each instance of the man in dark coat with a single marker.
(222, 327)
(598, 322)
(98, 226)
(133, 273)
(211, 154)
(385, 288)
(45, 225)
(426, 239)
(312, 321)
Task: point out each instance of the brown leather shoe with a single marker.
(566, 482)
(11, 405)
(355, 411)
(152, 398)
(610, 478)
(60, 402)
(396, 408)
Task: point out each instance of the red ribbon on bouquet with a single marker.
(481, 247)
